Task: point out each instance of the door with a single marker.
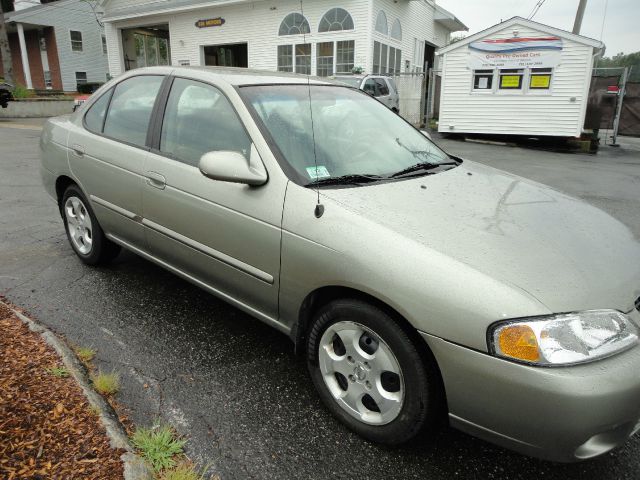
(107, 155)
(231, 55)
(224, 235)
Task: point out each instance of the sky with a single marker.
(621, 24)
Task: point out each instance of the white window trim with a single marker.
(294, 35)
(81, 41)
(335, 55)
(293, 55)
(525, 90)
(355, 26)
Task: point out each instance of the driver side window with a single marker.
(199, 119)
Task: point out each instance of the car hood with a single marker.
(562, 251)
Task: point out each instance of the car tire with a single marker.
(83, 230)
(417, 382)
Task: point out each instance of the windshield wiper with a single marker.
(352, 179)
(426, 166)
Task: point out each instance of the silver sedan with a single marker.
(419, 286)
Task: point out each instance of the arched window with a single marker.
(294, 24)
(336, 19)
(396, 30)
(381, 23)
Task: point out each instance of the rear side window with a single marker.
(382, 87)
(199, 119)
(94, 118)
(370, 87)
(130, 109)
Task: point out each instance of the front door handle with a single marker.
(156, 180)
(77, 149)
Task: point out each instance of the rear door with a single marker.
(107, 154)
(224, 235)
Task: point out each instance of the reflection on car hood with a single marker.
(565, 252)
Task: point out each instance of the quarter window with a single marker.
(335, 20)
(199, 119)
(76, 40)
(540, 79)
(483, 79)
(94, 118)
(511, 79)
(130, 109)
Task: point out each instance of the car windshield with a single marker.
(352, 134)
(351, 81)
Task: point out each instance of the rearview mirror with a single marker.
(230, 166)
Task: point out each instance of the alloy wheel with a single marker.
(79, 224)
(361, 372)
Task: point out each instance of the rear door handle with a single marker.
(78, 150)
(156, 180)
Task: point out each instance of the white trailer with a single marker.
(518, 77)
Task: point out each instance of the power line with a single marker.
(535, 9)
(604, 16)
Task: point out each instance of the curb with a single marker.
(134, 467)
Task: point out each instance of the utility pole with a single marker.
(5, 51)
(579, 14)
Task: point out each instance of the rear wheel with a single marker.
(83, 230)
(369, 373)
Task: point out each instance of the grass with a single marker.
(86, 354)
(20, 91)
(106, 383)
(183, 471)
(159, 445)
(59, 372)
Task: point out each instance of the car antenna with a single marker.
(319, 210)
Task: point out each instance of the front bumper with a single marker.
(563, 414)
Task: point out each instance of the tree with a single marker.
(5, 51)
(622, 60)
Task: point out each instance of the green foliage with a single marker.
(20, 91)
(86, 354)
(106, 383)
(159, 445)
(622, 60)
(59, 372)
(88, 88)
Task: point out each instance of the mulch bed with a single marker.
(47, 428)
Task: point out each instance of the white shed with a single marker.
(518, 77)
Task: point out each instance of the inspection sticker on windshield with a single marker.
(316, 173)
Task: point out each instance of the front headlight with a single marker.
(563, 339)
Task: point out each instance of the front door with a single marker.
(224, 235)
(107, 155)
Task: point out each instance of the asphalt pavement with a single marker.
(232, 384)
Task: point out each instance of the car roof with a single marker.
(239, 76)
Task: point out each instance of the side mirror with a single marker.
(426, 134)
(230, 166)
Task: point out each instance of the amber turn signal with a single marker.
(519, 341)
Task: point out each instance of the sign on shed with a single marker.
(516, 52)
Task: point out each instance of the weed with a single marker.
(20, 91)
(106, 383)
(159, 445)
(183, 471)
(86, 354)
(60, 372)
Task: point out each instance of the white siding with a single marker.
(65, 16)
(253, 23)
(548, 113)
(416, 18)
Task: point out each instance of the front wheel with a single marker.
(369, 372)
(83, 230)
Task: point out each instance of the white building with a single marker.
(316, 37)
(518, 77)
